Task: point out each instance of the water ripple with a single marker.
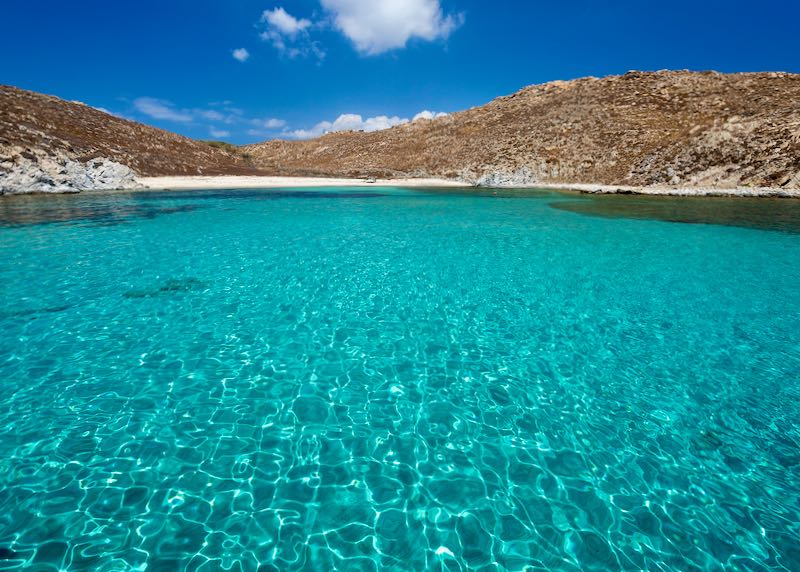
(409, 382)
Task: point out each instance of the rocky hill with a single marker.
(639, 129)
(667, 129)
(48, 144)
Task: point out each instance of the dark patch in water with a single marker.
(489, 192)
(7, 554)
(171, 286)
(757, 213)
(97, 210)
(33, 312)
(708, 440)
(113, 208)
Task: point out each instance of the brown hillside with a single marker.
(665, 128)
(32, 122)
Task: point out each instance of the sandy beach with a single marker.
(250, 182)
(247, 182)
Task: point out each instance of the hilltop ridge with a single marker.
(675, 128)
(48, 144)
(666, 129)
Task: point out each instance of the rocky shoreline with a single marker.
(762, 192)
(63, 175)
(26, 172)
(523, 178)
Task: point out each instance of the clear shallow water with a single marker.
(397, 380)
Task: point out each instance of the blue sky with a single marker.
(303, 64)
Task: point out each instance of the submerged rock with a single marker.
(171, 286)
(24, 171)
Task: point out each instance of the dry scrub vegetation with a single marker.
(34, 125)
(642, 128)
(656, 128)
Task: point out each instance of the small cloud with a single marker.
(271, 123)
(219, 133)
(266, 127)
(429, 115)
(230, 116)
(241, 54)
(355, 122)
(289, 35)
(348, 122)
(375, 27)
(166, 110)
(234, 110)
(281, 21)
(160, 109)
(210, 114)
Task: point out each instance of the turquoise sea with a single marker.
(388, 379)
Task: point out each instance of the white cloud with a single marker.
(235, 120)
(379, 123)
(266, 127)
(210, 114)
(271, 123)
(355, 122)
(377, 26)
(241, 54)
(429, 115)
(283, 22)
(348, 122)
(289, 35)
(219, 133)
(373, 26)
(269, 126)
(166, 110)
(160, 109)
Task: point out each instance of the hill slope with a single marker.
(48, 139)
(656, 128)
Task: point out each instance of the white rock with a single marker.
(522, 177)
(23, 171)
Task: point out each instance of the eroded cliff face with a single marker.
(639, 129)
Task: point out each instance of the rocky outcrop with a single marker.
(520, 178)
(23, 171)
(51, 145)
(639, 129)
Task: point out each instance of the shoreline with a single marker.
(255, 182)
(592, 189)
